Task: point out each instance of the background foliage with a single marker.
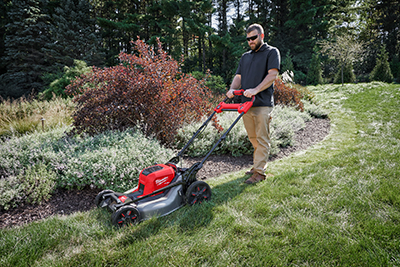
(43, 36)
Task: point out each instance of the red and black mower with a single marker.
(164, 188)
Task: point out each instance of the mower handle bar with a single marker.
(241, 108)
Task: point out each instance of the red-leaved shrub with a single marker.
(287, 96)
(147, 89)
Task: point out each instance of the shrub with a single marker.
(314, 110)
(236, 142)
(305, 93)
(214, 82)
(31, 185)
(58, 85)
(147, 89)
(348, 75)
(287, 95)
(286, 121)
(314, 74)
(112, 159)
(381, 71)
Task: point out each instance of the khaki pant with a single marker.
(256, 121)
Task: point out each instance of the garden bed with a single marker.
(64, 202)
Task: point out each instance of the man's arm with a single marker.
(267, 82)
(236, 83)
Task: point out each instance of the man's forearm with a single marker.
(267, 82)
(236, 83)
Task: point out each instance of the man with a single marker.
(256, 74)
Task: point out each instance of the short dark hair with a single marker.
(256, 27)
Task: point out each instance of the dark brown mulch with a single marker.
(70, 201)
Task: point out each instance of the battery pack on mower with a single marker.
(155, 177)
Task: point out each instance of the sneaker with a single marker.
(255, 178)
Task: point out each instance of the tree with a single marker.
(73, 35)
(382, 71)
(344, 49)
(287, 63)
(4, 20)
(26, 35)
(314, 74)
(304, 24)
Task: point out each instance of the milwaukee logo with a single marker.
(161, 181)
(123, 198)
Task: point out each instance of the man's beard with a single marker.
(257, 46)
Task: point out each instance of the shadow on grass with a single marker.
(188, 219)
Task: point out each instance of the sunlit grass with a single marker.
(336, 204)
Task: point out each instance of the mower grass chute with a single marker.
(164, 188)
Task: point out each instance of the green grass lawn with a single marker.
(335, 204)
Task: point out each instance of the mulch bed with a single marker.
(65, 202)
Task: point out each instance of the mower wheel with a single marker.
(198, 192)
(125, 216)
(99, 200)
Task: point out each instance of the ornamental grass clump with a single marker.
(24, 115)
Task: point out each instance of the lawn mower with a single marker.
(164, 188)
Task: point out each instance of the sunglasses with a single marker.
(252, 38)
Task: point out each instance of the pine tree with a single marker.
(287, 63)
(120, 23)
(26, 34)
(382, 71)
(73, 35)
(3, 22)
(314, 74)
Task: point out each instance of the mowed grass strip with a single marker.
(336, 204)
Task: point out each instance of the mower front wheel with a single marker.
(125, 216)
(99, 200)
(198, 192)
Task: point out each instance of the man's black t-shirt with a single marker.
(253, 68)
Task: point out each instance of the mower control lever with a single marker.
(241, 108)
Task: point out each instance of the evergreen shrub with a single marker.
(57, 86)
(214, 82)
(315, 110)
(348, 75)
(285, 122)
(314, 74)
(146, 89)
(381, 71)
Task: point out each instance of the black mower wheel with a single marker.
(125, 216)
(99, 198)
(198, 192)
